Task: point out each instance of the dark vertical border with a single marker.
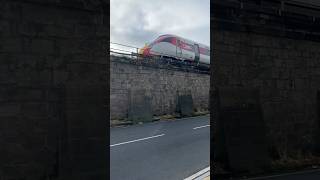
(211, 93)
(106, 22)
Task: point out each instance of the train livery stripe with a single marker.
(182, 44)
(204, 51)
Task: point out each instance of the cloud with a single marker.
(135, 22)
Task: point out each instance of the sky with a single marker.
(136, 22)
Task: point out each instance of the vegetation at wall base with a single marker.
(279, 166)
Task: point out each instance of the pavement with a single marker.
(204, 174)
(170, 150)
(300, 175)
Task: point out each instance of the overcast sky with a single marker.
(135, 22)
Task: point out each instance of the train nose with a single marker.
(145, 51)
(141, 50)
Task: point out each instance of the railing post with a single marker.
(137, 52)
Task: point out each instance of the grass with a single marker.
(119, 122)
(283, 165)
(290, 163)
(165, 117)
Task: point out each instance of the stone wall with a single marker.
(279, 54)
(53, 84)
(287, 73)
(163, 85)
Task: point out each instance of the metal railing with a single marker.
(136, 51)
(123, 50)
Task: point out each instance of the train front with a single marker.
(145, 51)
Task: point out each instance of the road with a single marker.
(170, 150)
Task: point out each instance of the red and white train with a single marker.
(179, 48)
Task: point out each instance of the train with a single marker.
(178, 48)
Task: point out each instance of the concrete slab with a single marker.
(185, 105)
(140, 108)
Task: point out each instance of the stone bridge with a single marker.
(162, 85)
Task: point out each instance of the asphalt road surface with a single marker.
(164, 150)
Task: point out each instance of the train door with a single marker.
(197, 53)
(178, 48)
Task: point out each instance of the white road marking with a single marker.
(201, 126)
(200, 175)
(284, 174)
(137, 140)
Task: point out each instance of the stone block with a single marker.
(140, 109)
(41, 46)
(185, 105)
(11, 45)
(10, 109)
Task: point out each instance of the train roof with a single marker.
(172, 35)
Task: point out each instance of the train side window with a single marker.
(152, 43)
(178, 43)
